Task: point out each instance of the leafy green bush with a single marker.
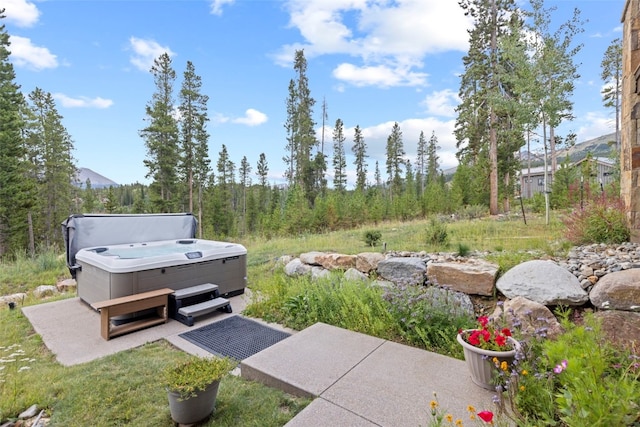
(436, 233)
(577, 379)
(602, 220)
(463, 250)
(429, 317)
(472, 212)
(372, 237)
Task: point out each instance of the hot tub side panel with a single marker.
(230, 274)
(95, 284)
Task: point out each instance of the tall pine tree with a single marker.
(51, 154)
(16, 193)
(194, 163)
(161, 137)
(359, 150)
(339, 160)
(612, 77)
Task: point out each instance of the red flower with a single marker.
(483, 320)
(474, 338)
(487, 337)
(486, 416)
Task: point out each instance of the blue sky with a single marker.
(374, 62)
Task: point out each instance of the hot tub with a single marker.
(111, 271)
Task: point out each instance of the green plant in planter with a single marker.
(195, 374)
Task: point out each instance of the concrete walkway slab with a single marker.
(309, 362)
(323, 413)
(364, 379)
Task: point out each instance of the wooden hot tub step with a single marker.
(187, 314)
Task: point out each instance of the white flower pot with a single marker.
(480, 361)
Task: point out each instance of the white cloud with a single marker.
(145, 52)
(216, 6)
(82, 101)
(391, 39)
(379, 75)
(442, 103)
(21, 12)
(25, 54)
(376, 139)
(252, 118)
(593, 125)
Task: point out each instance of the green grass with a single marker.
(23, 273)
(124, 389)
(121, 389)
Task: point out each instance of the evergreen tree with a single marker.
(433, 164)
(161, 137)
(339, 160)
(224, 203)
(245, 184)
(612, 77)
(395, 159)
(110, 201)
(262, 170)
(306, 169)
(53, 165)
(377, 177)
(360, 152)
(16, 185)
(483, 90)
(89, 202)
(290, 126)
(421, 162)
(194, 162)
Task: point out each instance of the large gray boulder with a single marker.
(296, 267)
(617, 291)
(311, 258)
(403, 270)
(354, 275)
(470, 276)
(544, 282)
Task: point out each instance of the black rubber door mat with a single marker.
(236, 337)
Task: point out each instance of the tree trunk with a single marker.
(552, 148)
(493, 139)
(32, 240)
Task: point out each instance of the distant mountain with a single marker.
(97, 180)
(598, 147)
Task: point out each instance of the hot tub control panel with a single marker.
(193, 255)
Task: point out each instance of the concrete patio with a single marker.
(355, 379)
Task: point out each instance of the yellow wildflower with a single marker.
(459, 423)
(471, 409)
(433, 404)
(449, 418)
(525, 372)
(521, 388)
(504, 366)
